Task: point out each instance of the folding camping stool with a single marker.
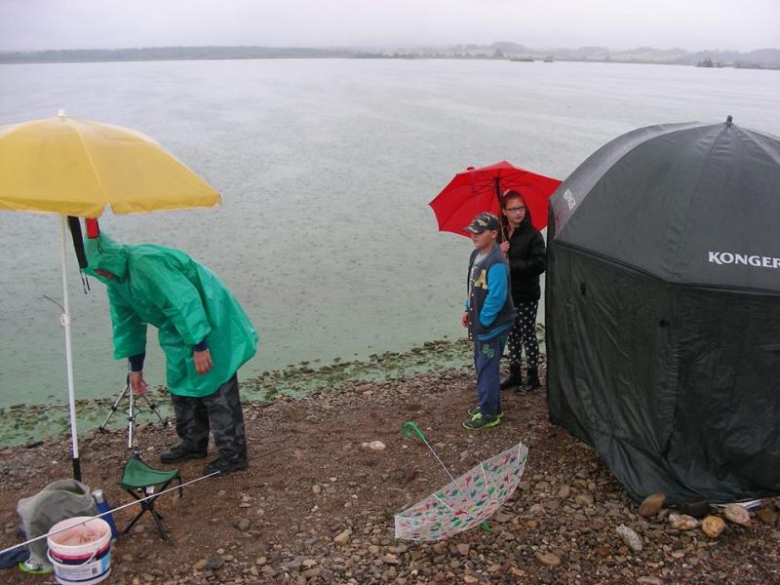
(140, 481)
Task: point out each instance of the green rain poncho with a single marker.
(184, 300)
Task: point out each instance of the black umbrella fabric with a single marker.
(663, 310)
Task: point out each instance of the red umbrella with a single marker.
(477, 190)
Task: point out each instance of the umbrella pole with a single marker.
(408, 427)
(500, 212)
(65, 320)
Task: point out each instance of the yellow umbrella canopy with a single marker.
(78, 167)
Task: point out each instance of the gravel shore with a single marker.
(316, 506)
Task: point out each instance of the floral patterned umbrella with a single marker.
(466, 501)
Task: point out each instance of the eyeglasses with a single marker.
(515, 209)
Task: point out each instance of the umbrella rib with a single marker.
(91, 164)
(442, 501)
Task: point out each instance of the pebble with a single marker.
(374, 446)
(584, 500)
(767, 516)
(737, 514)
(463, 549)
(242, 524)
(547, 559)
(682, 521)
(343, 538)
(713, 526)
(631, 538)
(652, 504)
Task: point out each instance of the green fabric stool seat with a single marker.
(140, 481)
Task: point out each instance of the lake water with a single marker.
(326, 168)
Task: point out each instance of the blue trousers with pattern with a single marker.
(487, 357)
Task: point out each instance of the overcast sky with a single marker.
(618, 24)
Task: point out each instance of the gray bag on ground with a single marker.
(58, 501)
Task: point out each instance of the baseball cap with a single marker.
(483, 222)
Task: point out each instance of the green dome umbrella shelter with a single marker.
(663, 310)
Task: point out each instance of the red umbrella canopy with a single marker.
(477, 190)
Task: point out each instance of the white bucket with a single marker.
(84, 563)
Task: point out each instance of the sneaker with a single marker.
(474, 411)
(480, 421)
(33, 567)
(225, 465)
(181, 452)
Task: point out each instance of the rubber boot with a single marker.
(531, 381)
(513, 379)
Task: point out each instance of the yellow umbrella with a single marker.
(77, 167)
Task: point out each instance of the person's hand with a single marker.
(504, 247)
(203, 362)
(138, 384)
(464, 320)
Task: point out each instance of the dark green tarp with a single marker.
(663, 310)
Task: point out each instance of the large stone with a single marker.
(652, 504)
(242, 524)
(767, 516)
(737, 514)
(713, 526)
(343, 538)
(682, 521)
(374, 446)
(584, 500)
(200, 565)
(631, 538)
(547, 559)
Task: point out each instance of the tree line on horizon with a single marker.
(762, 58)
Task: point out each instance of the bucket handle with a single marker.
(52, 561)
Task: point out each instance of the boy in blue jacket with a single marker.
(489, 315)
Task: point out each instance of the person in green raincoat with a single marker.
(203, 331)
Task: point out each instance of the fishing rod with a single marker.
(157, 495)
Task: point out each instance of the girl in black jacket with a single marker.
(524, 246)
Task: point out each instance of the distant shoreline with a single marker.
(760, 59)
